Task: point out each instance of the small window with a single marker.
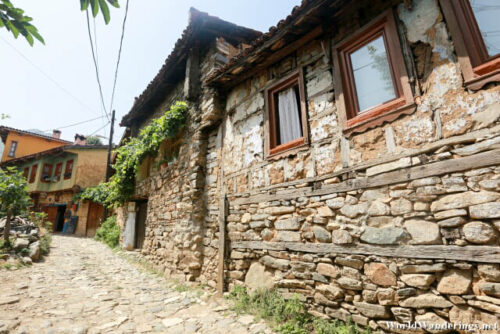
(33, 173)
(58, 172)
(46, 173)
(12, 149)
(371, 82)
(68, 170)
(26, 172)
(475, 30)
(286, 114)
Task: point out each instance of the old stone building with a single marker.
(350, 155)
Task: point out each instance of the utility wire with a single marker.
(96, 67)
(96, 131)
(48, 76)
(74, 124)
(119, 56)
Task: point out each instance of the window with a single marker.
(58, 172)
(12, 149)
(26, 172)
(68, 170)
(286, 114)
(46, 172)
(371, 83)
(33, 173)
(475, 30)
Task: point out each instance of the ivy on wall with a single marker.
(130, 155)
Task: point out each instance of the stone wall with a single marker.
(392, 223)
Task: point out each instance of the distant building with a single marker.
(57, 174)
(19, 143)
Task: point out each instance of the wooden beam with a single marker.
(484, 159)
(222, 244)
(486, 254)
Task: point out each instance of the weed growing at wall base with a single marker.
(287, 316)
(109, 232)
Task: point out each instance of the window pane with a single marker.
(372, 75)
(487, 13)
(289, 115)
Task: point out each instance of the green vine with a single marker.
(130, 155)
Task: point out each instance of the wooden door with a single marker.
(140, 224)
(51, 212)
(94, 218)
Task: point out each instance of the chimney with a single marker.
(56, 134)
(80, 140)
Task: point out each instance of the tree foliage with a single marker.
(130, 155)
(14, 198)
(94, 140)
(15, 21)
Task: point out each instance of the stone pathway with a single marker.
(83, 287)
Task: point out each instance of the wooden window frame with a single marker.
(12, 152)
(345, 90)
(49, 173)
(278, 151)
(26, 172)
(58, 170)
(34, 170)
(478, 68)
(67, 170)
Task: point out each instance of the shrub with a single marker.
(109, 232)
(287, 316)
(45, 241)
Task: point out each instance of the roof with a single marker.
(306, 21)
(4, 131)
(53, 151)
(201, 28)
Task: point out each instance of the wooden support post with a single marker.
(222, 243)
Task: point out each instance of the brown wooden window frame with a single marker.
(478, 68)
(12, 149)
(26, 172)
(345, 90)
(45, 177)
(34, 169)
(58, 170)
(274, 150)
(68, 171)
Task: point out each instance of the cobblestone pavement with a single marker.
(83, 287)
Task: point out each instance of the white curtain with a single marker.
(289, 117)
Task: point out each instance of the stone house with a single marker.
(350, 155)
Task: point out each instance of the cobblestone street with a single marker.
(83, 287)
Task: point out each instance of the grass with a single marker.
(286, 316)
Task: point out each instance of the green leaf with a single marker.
(95, 7)
(114, 3)
(38, 37)
(11, 27)
(29, 38)
(105, 10)
(84, 4)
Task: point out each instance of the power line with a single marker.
(96, 131)
(48, 76)
(74, 124)
(119, 56)
(96, 67)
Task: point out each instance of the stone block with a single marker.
(280, 210)
(377, 208)
(380, 274)
(465, 199)
(341, 237)
(401, 206)
(421, 281)
(335, 203)
(350, 262)
(325, 211)
(372, 310)
(423, 232)
(272, 262)
(287, 236)
(383, 236)
(426, 300)
(387, 297)
(486, 210)
(329, 270)
(478, 232)
(452, 222)
(423, 268)
(434, 323)
(321, 234)
(489, 272)
(291, 224)
(353, 210)
(330, 291)
(402, 315)
(450, 213)
(401, 163)
(455, 282)
(350, 283)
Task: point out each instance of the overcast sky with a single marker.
(34, 101)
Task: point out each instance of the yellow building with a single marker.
(54, 176)
(19, 143)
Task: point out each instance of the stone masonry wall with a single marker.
(349, 222)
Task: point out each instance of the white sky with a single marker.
(34, 101)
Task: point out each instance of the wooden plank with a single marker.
(222, 244)
(489, 158)
(486, 254)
